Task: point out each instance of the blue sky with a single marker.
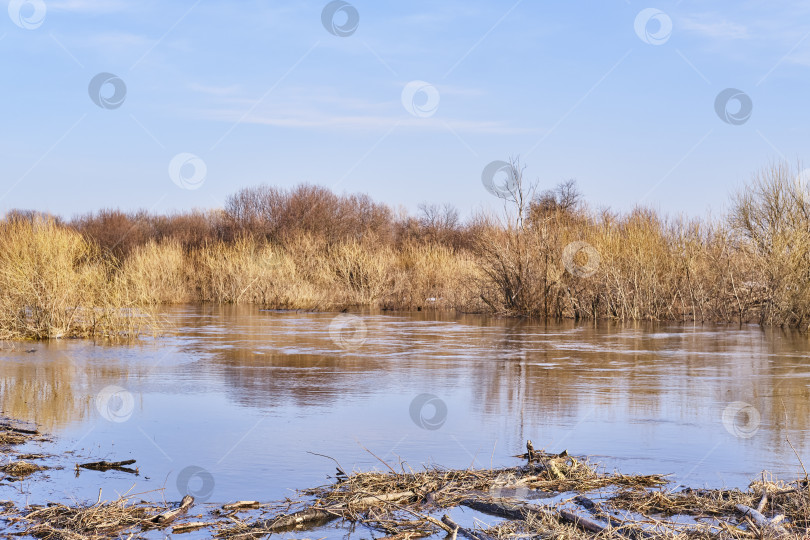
(262, 92)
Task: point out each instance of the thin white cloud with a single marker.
(710, 26)
(308, 119)
(325, 108)
(213, 90)
(111, 41)
(89, 6)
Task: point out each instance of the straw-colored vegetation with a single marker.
(547, 255)
(547, 496)
(56, 283)
(551, 496)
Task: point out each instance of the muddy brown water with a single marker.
(228, 404)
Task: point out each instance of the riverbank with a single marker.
(545, 495)
(547, 256)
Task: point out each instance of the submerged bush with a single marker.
(54, 283)
(546, 256)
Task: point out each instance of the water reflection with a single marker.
(42, 390)
(648, 398)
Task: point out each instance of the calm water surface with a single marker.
(244, 394)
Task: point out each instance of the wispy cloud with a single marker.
(310, 119)
(90, 6)
(213, 90)
(326, 109)
(106, 41)
(710, 26)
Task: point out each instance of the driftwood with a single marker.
(467, 533)
(762, 522)
(241, 505)
(192, 526)
(168, 516)
(583, 522)
(5, 426)
(763, 502)
(509, 510)
(619, 527)
(108, 466)
(536, 456)
(309, 516)
(322, 515)
(530, 453)
(503, 509)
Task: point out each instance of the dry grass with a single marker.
(785, 506)
(253, 271)
(551, 496)
(9, 438)
(434, 276)
(97, 521)
(53, 283)
(21, 469)
(156, 273)
(408, 504)
(12, 435)
(307, 248)
(749, 267)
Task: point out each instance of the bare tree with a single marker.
(565, 197)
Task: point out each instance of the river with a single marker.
(235, 402)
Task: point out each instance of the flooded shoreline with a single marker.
(551, 494)
(238, 396)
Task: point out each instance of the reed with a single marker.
(54, 283)
(751, 266)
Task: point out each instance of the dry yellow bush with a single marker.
(53, 284)
(752, 266)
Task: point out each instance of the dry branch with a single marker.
(467, 533)
(164, 518)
